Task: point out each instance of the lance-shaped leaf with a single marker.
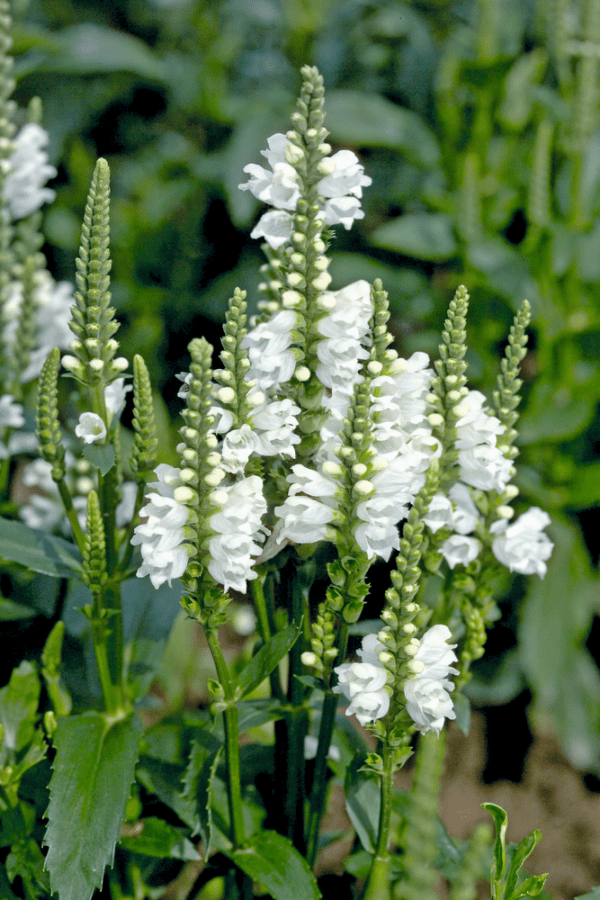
(197, 791)
(38, 550)
(274, 862)
(93, 772)
(269, 656)
(153, 837)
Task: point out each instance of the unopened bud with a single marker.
(291, 299)
(359, 470)
(214, 478)
(505, 512)
(364, 487)
(309, 659)
(326, 166)
(322, 281)
(225, 395)
(331, 468)
(415, 666)
(302, 373)
(435, 420)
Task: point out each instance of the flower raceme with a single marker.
(24, 188)
(279, 187)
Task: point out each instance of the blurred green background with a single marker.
(477, 120)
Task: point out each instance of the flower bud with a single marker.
(302, 373)
(309, 659)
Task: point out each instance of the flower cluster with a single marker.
(523, 546)
(237, 529)
(363, 683)
(161, 537)
(24, 188)
(482, 464)
(428, 702)
(279, 187)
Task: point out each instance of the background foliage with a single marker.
(478, 122)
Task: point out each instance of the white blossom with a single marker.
(11, 412)
(238, 533)
(91, 428)
(275, 425)
(439, 514)
(237, 448)
(275, 227)
(115, 395)
(476, 425)
(485, 467)
(465, 515)
(523, 546)
(303, 520)
(272, 361)
(24, 188)
(126, 506)
(161, 536)
(363, 683)
(428, 702)
(460, 550)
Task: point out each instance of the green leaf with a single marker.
(585, 489)
(274, 862)
(505, 268)
(84, 49)
(102, 456)
(154, 837)
(594, 894)
(93, 773)
(519, 95)
(10, 611)
(368, 120)
(500, 821)
(363, 800)
(522, 852)
(19, 701)
(462, 708)
(38, 550)
(5, 891)
(164, 780)
(253, 713)
(421, 235)
(269, 656)
(197, 789)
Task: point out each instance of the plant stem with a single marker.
(378, 881)
(232, 749)
(317, 794)
(67, 500)
(264, 628)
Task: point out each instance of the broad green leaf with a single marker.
(93, 773)
(165, 781)
(154, 837)
(506, 270)
(585, 490)
(102, 456)
(519, 95)
(557, 412)
(462, 708)
(269, 656)
(421, 235)
(363, 800)
(253, 713)
(38, 550)
(274, 862)
(369, 120)
(17, 823)
(18, 707)
(83, 49)
(10, 611)
(594, 894)
(197, 785)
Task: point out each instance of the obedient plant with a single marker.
(309, 453)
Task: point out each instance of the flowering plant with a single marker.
(313, 450)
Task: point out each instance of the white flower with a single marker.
(272, 362)
(115, 394)
(238, 533)
(274, 424)
(161, 536)
(465, 515)
(303, 520)
(348, 176)
(243, 620)
(237, 448)
(11, 413)
(125, 509)
(275, 227)
(476, 426)
(24, 188)
(522, 546)
(363, 683)
(460, 550)
(439, 514)
(311, 745)
(91, 428)
(428, 702)
(280, 186)
(485, 467)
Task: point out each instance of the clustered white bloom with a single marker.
(428, 702)
(54, 301)
(482, 464)
(363, 683)
(341, 189)
(522, 546)
(24, 188)
(91, 428)
(238, 532)
(161, 536)
(11, 416)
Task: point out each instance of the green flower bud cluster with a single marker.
(201, 475)
(7, 130)
(94, 552)
(273, 272)
(398, 633)
(234, 390)
(48, 430)
(506, 397)
(26, 334)
(92, 360)
(449, 386)
(143, 454)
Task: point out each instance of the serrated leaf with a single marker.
(269, 656)
(102, 456)
(522, 852)
(38, 550)
(154, 837)
(421, 235)
(91, 781)
(273, 861)
(500, 821)
(164, 780)
(18, 707)
(197, 785)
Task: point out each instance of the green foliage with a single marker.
(38, 550)
(507, 862)
(93, 772)
(273, 861)
(268, 657)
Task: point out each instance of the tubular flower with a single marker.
(482, 464)
(238, 533)
(428, 702)
(523, 546)
(91, 428)
(24, 188)
(363, 683)
(341, 190)
(161, 536)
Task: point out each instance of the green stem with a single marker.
(264, 628)
(317, 794)
(378, 881)
(65, 496)
(232, 749)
